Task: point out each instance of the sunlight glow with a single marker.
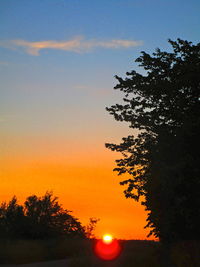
(107, 248)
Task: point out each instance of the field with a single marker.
(80, 253)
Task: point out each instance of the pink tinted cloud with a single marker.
(77, 45)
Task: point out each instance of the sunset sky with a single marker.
(58, 59)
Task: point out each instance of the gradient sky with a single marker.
(58, 59)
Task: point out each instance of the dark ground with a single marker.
(80, 253)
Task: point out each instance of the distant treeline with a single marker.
(40, 218)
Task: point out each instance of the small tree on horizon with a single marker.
(90, 228)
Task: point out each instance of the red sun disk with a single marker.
(107, 251)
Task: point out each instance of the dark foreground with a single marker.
(78, 253)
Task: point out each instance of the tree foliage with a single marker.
(163, 160)
(39, 218)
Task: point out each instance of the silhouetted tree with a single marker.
(12, 220)
(89, 229)
(47, 218)
(163, 159)
(39, 218)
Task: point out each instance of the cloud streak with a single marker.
(77, 45)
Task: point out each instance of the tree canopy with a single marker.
(163, 160)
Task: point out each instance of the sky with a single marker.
(58, 59)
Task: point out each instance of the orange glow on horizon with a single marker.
(82, 180)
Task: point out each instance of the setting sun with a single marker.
(107, 238)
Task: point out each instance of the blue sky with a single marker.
(55, 75)
(58, 59)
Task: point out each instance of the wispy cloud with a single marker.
(77, 45)
(4, 63)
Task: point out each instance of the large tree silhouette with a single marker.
(163, 160)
